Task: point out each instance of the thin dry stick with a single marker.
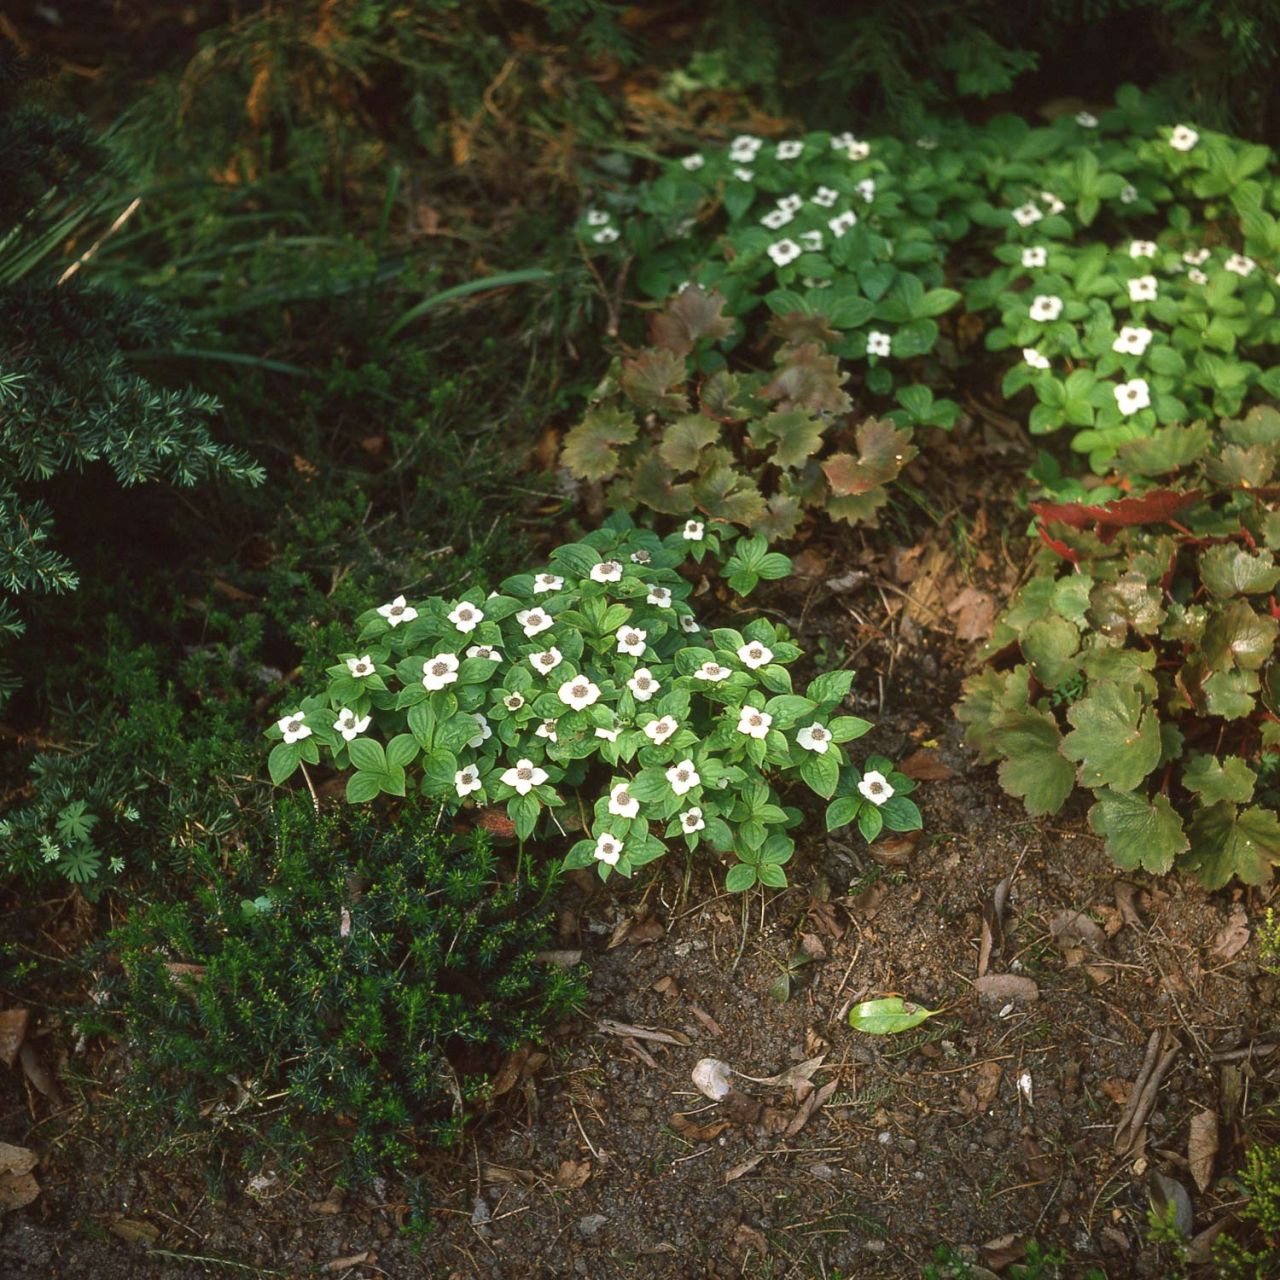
(97, 244)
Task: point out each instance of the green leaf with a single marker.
(834, 686)
(821, 772)
(1115, 739)
(362, 787)
(368, 755)
(888, 1016)
(401, 750)
(1229, 570)
(438, 770)
(870, 822)
(901, 814)
(1139, 832)
(1240, 638)
(1232, 780)
(1050, 646)
(685, 439)
(283, 760)
(772, 875)
(848, 728)
(1225, 843)
(740, 878)
(794, 435)
(841, 811)
(523, 812)
(1034, 768)
(590, 449)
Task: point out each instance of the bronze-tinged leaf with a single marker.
(780, 519)
(591, 448)
(692, 314)
(1249, 468)
(724, 398)
(789, 437)
(684, 440)
(810, 378)
(795, 328)
(650, 486)
(858, 508)
(651, 381)
(1155, 507)
(883, 450)
(726, 493)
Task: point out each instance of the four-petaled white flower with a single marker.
(642, 685)
(360, 667)
(608, 849)
(609, 735)
(825, 196)
(875, 787)
(548, 660)
(547, 582)
(689, 624)
(1034, 358)
(693, 531)
(466, 617)
(578, 693)
(534, 620)
(1055, 205)
(867, 189)
(744, 175)
(1133, 395)
(1241, 265)
(683, 777)
(1045, 307)
(842, 222)
(755, 655)
(350, 725)
(1086, 120)
(397, 612)
(1128, 193)
(712, 672)
(776, 219)
(878, 344)
(926, 142)
(640, 557)
(744, 147)
(1142, 249)
(513, 701)
(1183, 138)
(467, 780)
(661, 596)
(691, 820)
(693, 162)
(1196, 276)
(1035, 256)
(1027, 214)
(658, 731)
(792, 203)
(789, 150)
(440, 671)
(754, 722)
(606, 571)
(1133, 341)
(1196, 257)
(622, 804)
(784, 251)
(631, 641)
(842, 141)
(547, 729)
(815, 737)
(597, 218)
(812, 240)
(606, 235)
(484, 651)
(524, 775)
(1143, 289)
(483, 734)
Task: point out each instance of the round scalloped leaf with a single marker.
(1034, 768)
(1231, 571)
(1115, 739)
(1212, 781)
(1226, 843)
(1139, 832)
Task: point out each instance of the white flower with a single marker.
(693, 163)
(927, 143)
(755, 655)
(689, 624)
(878, 344)
(712, 672)
(693, 531)
(1143, 289)
(1055, 205)
(1045, 307)
(683, 777)
(608, 849)
(812, 240)
(825, 196)
(467, 780)
(578, 693)
(1034, 358)
(622, 804)
(642, 685)
(484, 651)
(875, 787)
(484, 734)
(597, 218)
(513, 701)
(744, 147)
(534, 621)
(546, 661)
(524, 775)
(859, 150)
(1241, 265)
(640, 557)
(661, 596)
(776, 219)
(867, 189)
(547, 582)
(789, 150)
(1026, 214)
(1142, 249)
(609, 735)
(850, 145)
(691, 821)
(1132, 341)
(466, 617)
(606, 235)
(784, 251)
(350, 725)
(397, 612)
(1196, 276)
(360, 667)
(631, 641)
(1183, 138)
(658, 731)
(1035, 256)
(606, 571)
(842, 141)
(1132, 396)
(792, 203)
(547, 729)
(1196, 257)
(1128, 193)
(1086, 120)
(754, 722)
(440, 671)
(842, 222)
(815, 737)
(293, 728)
(744, 175)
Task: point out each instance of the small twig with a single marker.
(315, 799)
(97, 244)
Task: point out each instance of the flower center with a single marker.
(643, 557)
(293, 725)
(524, 774)
(579, 690)
(439, 668)
(643, 682)
(682, 775)
(818, 735)
(397, 610)
(877, 788)
(465, 614)
(755, 720)
(624, 797)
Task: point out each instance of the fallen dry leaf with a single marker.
(522, 1061)
(738, 1170)
(1126, 895)
(993, 912)
(13, 1030)
(133, 1231)
(974, 612)
(1202, 1146)
(686, 1128)
(1071, 929)
(637, 931)
(18, 1186)
(713, 1078)
(895, 851)
(706, 1019)
(1007, 986)
(562, 959)
(573, 1174)
(667, 987)
(1233, 937)
(354, 1260)
(807, 1108)
(614, 1028)
(926, 766)
(1004, 1250)
(987, 1084)
(39, 1078)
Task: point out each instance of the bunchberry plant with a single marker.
(589, 696)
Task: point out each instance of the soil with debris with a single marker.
(1097, 1036)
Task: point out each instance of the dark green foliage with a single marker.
(1039, 1264)
(365, 980)
(1253, 1252)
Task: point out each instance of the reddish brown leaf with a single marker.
(926, 766)
(883, 450)
(13, 1029)
(1156, 507)
(691, 314)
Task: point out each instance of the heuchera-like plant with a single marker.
(1144, 650)
(589, 697)
(671, 428)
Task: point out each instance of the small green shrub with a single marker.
(1039, 1264)
(1143, 650)
(671, 428)
(368, 977)
(1257, 1258)
(596, 677)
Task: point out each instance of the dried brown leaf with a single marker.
(1007, 986)
(1232, 937)
(975, 613)
(13, 1030)
(1202, 1146)
(926, 766)
(572, 1174)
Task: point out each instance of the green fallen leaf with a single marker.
(889, 1016)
